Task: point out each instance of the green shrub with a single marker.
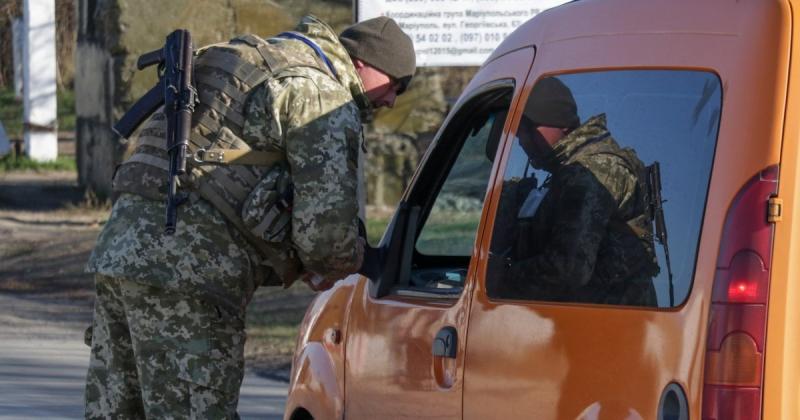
(22, 163)
(11, 111)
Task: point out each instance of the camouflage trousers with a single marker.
(159, 354)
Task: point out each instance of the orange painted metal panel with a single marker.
(548, 360)
(390, 370)
(564, 361)
(782, 367)
(317, 379)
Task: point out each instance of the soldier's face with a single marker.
(379, 86)
(538, 141)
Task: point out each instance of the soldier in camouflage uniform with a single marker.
(590, 239)
(168, 334)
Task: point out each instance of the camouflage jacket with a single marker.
(578, 246)
(315, 120)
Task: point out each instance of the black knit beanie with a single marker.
(381, 43)
(551, 104)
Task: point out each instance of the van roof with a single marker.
(579, 19)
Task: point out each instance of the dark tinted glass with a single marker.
(570, 216)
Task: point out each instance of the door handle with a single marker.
(446, 343)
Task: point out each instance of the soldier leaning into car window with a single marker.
(168, 333)
(585, 234)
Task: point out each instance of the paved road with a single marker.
(43, 366)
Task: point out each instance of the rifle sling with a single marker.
(217, 156)
(238, 157)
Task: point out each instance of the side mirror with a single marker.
(397, 249)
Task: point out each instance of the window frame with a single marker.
(417, 204)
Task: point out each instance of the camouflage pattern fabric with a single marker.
(133, 245)
(315, 120)
(159, 354)
(322, 138)
(578, 247)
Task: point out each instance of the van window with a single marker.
(453, 220)
(450, 192)
(575, 223)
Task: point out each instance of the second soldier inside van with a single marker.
(584, 233)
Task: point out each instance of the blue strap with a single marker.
(314, 46)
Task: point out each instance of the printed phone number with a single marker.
(466, 37)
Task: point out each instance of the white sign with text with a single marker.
(455, 32)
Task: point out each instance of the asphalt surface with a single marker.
(43, 367)
(43, 360)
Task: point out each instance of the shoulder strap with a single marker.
(314, 46)
(260, 45)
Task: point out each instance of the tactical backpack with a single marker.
(251, 188)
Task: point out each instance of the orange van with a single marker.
(704, 88)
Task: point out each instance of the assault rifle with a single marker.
(657, 215)
(175, 90)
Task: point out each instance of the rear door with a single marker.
(530, 357)
(406, 332)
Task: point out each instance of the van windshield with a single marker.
(573, 224)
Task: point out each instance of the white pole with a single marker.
(39, 79)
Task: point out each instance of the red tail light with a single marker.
(738, 318)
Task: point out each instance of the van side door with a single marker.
(554, 332)
(406, 333)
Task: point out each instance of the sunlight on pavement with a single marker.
(44, 378)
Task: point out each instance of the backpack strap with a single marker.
(315, 47)
(260, 45)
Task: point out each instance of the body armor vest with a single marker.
(221, 166)
(641, 225)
